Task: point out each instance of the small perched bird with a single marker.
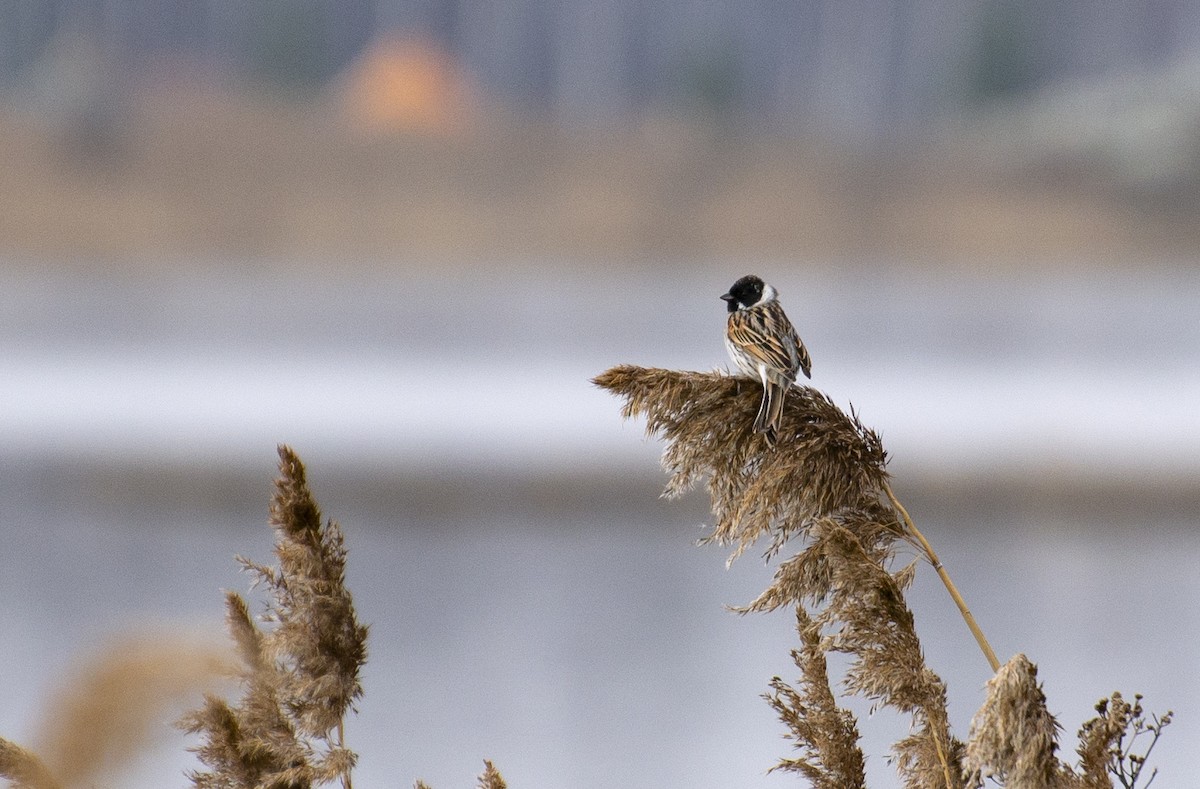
(763, 344)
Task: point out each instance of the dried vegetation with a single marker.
(298, 670)
(300, 677)
(825, 488)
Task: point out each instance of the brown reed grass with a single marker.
(825, 484)
(298, 668)
(826, 734)
(1013, 735)
(299, 673)
(300, 677)
(1014, 738)
(490, 778)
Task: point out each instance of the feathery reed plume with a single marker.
(318, 639)
(23, 768)
(824, 482)
(828, 463)
(1014, 738)
(1013, 735)
(301, 677)
(826, 735)
(491, 778)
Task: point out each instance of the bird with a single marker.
(764, 345)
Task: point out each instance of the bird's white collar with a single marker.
(769, 295)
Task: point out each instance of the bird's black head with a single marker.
(746, 292)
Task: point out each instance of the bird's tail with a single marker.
(770, 411)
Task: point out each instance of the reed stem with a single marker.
(341, 735)
(933, 559)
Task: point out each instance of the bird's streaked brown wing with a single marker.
(768, 336)
(802, 356)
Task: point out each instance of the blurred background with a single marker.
(403, 236)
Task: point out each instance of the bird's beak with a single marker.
(727, 297)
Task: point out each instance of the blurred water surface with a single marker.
(531, 600)
(485, 367)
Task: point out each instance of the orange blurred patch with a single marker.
(406, 85)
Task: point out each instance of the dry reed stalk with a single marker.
(824, 483)
(920, 543)
(299, 678)
(832, 465)
(826, 734)
(317, 637)
(491, 778)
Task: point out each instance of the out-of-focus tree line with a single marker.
(871, 70)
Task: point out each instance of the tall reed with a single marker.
(300, 674)
(825, 486)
